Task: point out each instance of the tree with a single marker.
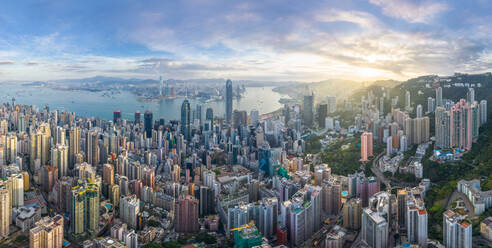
(170, 244)
(206, 238)
(153, 245)
(154, 223)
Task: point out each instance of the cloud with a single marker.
(363, 19)
(411, 11)
(264, 40)
(6, 62)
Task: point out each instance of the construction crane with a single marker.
(243, 226)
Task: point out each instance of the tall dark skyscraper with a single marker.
(322, 113)
(228, 101)
(209, 115)
(116, 115)
(137, 116)
(308, 110)
(198, 113)
(148, 123)
(209, 120)
(186, 119)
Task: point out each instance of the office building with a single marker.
(331, 101)
(148, 123)
(322, 113)
(308, 110)
(186, 120)
(228, 101)
(116, 116)
(374, 231)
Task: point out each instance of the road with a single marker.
(320, 235)
(458, 195)
(378, 173)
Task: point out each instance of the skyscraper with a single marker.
(186, 217)
(84, 212)
(457, 231)
(148, 123)
(365, 146)
(116, 116)
(322, 113)
(352, 211)
(308, 110)
(483, 112)
(137, 117)
(374, 229)
(74, 145)
(207, 200)
(431, 104)
(198, 114)
(443, 128)
(408, 102)
(59, 159)
(470, 96)
(331, 101)
(228, 101)
(186, 120)
(47, 233)
(17, 190)
(92, 142)
(240, 118)
(129, 209)
(209, 115)
(419, 111)
(439, 102)
(5, 214)
(461, 125)
(416, 224)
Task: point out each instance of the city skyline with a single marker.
(277, 41)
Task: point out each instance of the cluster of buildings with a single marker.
(241, 177)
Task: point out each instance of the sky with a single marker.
(274, 40)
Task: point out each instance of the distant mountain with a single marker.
(122, 81)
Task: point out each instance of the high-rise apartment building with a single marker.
(186, 217)
(47, 233)
(366, 146)
(59, 159)
(74, 136)
(84, 212)
(457, 231)
(129, 209)
(352, 211)
(5, 211)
